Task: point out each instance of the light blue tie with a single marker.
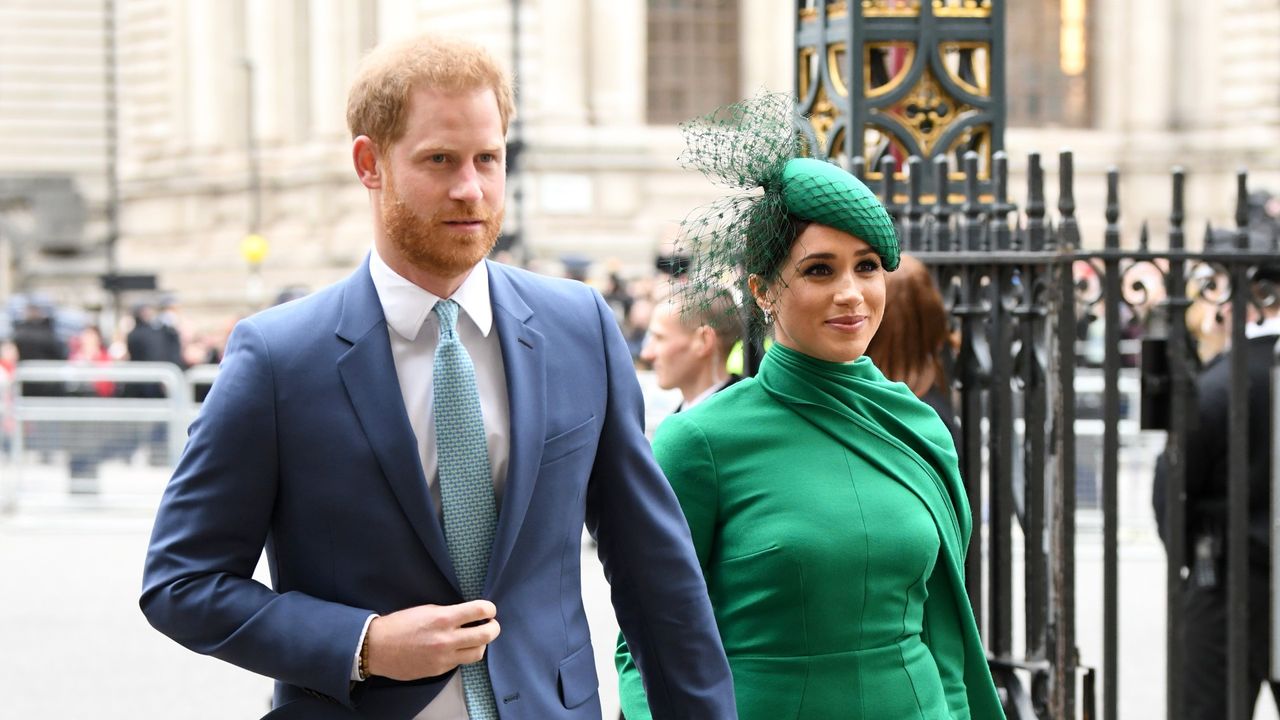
(466, 485)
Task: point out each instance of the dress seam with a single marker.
(866, 563)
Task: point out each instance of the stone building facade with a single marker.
(1143, 85)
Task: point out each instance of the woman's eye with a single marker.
(818, 269)
(868, 266)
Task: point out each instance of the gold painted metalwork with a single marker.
(929, 199)
(822, 116)
(983, 149)
(983, 70)
(823, 113)
(955, 173)
(962, 8)
(927, 111)
(890, 8)
(899, 76)
(837, 145)
(835, 63)
(805, 70)
(882, 141)
(835, 10)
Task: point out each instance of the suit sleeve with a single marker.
(682, 451)
(209, 533)
(657, 586)
(1206, 442)
(1203, 450)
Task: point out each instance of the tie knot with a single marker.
(448, 312)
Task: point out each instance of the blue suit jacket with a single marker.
(304, 446)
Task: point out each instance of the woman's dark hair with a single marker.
(768, 263)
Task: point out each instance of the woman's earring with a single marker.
(768, 316)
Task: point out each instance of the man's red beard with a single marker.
(431, 245)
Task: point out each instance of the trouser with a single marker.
(1204, 647)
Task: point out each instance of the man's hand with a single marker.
(430, 640)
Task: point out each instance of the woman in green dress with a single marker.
(824, 501)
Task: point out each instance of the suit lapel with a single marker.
(524, 360)
(367, 371)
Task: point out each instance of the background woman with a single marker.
(824, 501)
(908, 346)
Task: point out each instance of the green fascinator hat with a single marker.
(756, 146)
(824, 193)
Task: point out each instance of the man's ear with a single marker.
(368, 162)
(705, 336)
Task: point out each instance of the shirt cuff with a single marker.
(355, 659)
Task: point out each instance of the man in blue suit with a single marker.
(346, 433)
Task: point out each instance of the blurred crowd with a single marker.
(33, 327)
(36, 328)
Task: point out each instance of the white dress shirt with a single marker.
(414, 332)
(1263, 328)
(706, 394)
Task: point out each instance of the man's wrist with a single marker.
(362, 665)
(360, 670)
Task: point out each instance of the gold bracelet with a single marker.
(362, 664)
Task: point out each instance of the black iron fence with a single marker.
(1024, 291)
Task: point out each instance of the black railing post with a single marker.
(1063, 552)
(915, 183)
(1112, 298)
(941, 235)
(888, 187)
(1239, 697)
(972, 366)
(1180, 377)
(1034, 365)
(1000, 437)
(1035, 204)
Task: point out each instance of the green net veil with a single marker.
(756, 147)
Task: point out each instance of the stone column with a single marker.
(556, 92)
(1149, 45)
(615, 41)
(215, 83)
(766, 42)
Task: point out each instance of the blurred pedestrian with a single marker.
(90, 350)
(689, 343)
(911, 340)
(637, 327)
(1203, 675)
(8, 368)
(35, 339)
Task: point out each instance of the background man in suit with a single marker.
(1204, 592)
(418, 447)
(688, 345)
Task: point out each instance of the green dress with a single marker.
(828, 515)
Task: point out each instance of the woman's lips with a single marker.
(847, 323)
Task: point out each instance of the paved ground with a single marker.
(76, 645)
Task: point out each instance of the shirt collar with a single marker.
(406, 306)
(707, 393)
(1269, 326)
